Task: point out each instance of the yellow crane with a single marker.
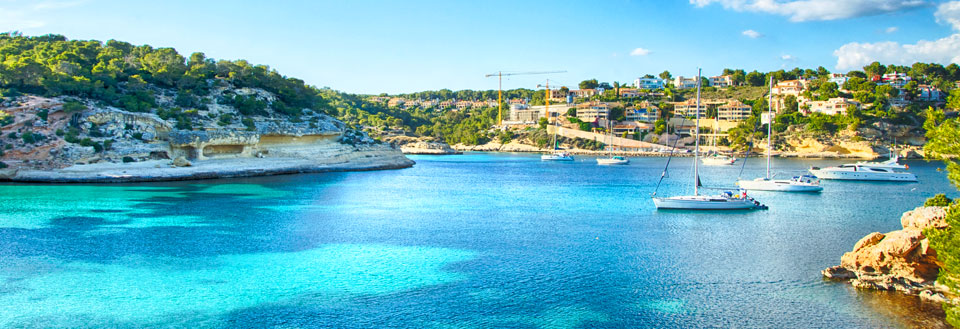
(500, 75)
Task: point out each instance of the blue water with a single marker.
(476, 240)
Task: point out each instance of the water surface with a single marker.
(475, 240)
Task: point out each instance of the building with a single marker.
(684, 83)
(583, 93)
(896, 80)
(688, 109)
(629, 93)
(446, 104)
(930, 93)
(631, 128)
(838, 78)
(836, 105)
(649, 83)
(593, 111)
(734, 111)
(525, 115)
(396, 102)
(643, 112)
(788, 87)
(557, 95)
(722, 81)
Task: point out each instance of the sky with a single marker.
(372, 47)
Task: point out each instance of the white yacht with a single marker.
(805, 183)
(557, 156)
(614, 160)
(718, 159)
(724, 201)
(865, 171)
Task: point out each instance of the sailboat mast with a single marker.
(769, 125)
(696, 150)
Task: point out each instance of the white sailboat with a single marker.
(715, 158)
(558, 154)
(725, 201)
(804, 183)
(611, 159)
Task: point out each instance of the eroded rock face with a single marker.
(424, 147)
(901, 260)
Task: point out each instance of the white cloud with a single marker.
(640, 52)
(816, 10)
(24, 15)
(892, 29)
(788, 58)
(752, 34)
(945, 50)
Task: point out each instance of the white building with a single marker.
(836, 105)
(593, 111)
(734, 111)
(838, 78)
(643, 112)
(722, 81)
(648, 83)
(930, 93)
(684, 83)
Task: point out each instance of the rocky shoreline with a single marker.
(900, 261)
(363, 159)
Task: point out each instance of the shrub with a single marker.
(28, 137)
(43, 114)
(73, 106)
(128, 160)
(59, 132)
(2, 165)
(939, 200)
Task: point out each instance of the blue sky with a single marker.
(367, 46)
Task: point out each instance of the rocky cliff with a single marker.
(77, 140)
(901, 260)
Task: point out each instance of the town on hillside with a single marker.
(652, 108)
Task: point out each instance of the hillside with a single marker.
(90, 111)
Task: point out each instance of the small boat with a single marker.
(804, 183)
(865, 172)
(718, 159)
(557, 156)
(725, 201)
(614, 160)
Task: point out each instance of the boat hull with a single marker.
(780, 185)
(549, 157)
(611, 162)
(718, 161)
(864, 175)
(704, 203)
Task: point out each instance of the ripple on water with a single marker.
(81, 294)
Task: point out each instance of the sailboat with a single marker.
(611, 159)
(802, 183)
(558, 154)
(725, 201)
(715, 158)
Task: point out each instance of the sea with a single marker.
(479, 240)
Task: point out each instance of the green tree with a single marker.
(589, 84)
(944, 144)
(665, 75)
(874, 68)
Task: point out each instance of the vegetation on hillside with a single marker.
(127, 76)
(944, 144)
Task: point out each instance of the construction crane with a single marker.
(500, 76)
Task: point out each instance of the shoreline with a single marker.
(163, 170)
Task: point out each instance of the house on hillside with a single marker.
(643, 112)
(583, 93)
(649, 83)
(684, 83)
(836, 105)
(688, 108)
(734, 111)
(593, 111)
(629, 93)
(838, 78)
(930, 93)
(631, 127)
(896, 80)
(788, 87)
(722, 81)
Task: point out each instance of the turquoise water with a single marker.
(476, 240)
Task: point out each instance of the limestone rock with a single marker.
(424, 147)
(923, 217)
(901, 260)
(181, 162)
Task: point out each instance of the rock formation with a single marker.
(901, 260)
(46, 143)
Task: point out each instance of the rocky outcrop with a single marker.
(814, 148)
(901, 260)
(425, 147)
(106, 144)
